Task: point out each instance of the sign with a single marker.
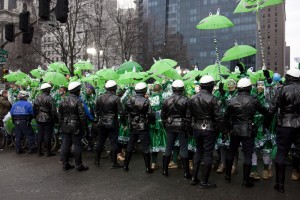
(2, 86)
(2, 60)
(3, 52)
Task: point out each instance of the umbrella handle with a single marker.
(217, 54)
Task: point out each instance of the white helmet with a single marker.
(206, 79)
(73, 85)
(45, 86)
(23, 94)
(1, 91)
(110, 84)
(178, 84)
(244, 82)
(140, 86)
(294, 72)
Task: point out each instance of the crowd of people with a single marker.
(264, 118)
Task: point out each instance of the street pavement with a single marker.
(29, 177)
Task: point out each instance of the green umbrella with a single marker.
(73, 79)
(129, 66)
(172, 74)
(38, 73)
(162, 65)
(238, 51)
(16, 76)
(216, 71)
(92, 79)
(259, 75)
(191, 75)
(130, 77)
(108, 74)
(213, 22)
(34, 82)
(59, 67)
(250, 5)
(84, 65)
(55, 78)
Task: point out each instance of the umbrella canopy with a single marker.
(259, 75)
(16, 76)
(238, 51)
(216, 21)
(84, 65)
(38, 73)
(55, 78)
(108, 74)
(191, 75)
(128, 67)
(216, 71)
(59, 67)
(162, 65)
(250, 5)
(130, 77)
(172, 74)
(92, 79)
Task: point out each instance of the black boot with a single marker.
(195, 179)
(185, 164)
(127, 160)
(148, 163)
(97, 159)
(205, 175)
(67, 166)
(114, 160)
(280, 178)
(81, 168)
(40, 149)
(246, 176)
(228, 169)
(166, 160)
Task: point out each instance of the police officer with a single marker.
(22, 114)
(140, 115)
(204, 116)
(46, 116)
(73, 124)
(287, 103)
(173, 115)
(240, 115)
(108, 107)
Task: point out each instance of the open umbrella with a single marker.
(16, 76)
(130, 77)
(191, 75)
(162, 65)
(84, 65)
(172, 74)
(213, 22)
(238, 52)
(38, 73)
(59, 67)
(55, 78)
(128, 66)
(256, 5)
(108, 74)
(217, 72)
(259, 75)
(92, 79)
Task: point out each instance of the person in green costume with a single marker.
(60, 95)
(157, 131)
(13, 92)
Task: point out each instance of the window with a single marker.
(193, 40)
(193, 11)
(205, 2)
(193, 19)
(1, 4)
(203, 54)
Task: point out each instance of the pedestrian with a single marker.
(22, 114)
(173, 115)
(286, 104)
(108, 108)
(46, 116)
(73, 124)
(240, 113)
(140, 115)
(5, 105)
(205, 117)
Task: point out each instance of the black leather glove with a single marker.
(221, 89)
(197, 78)
(241, 68)
(266, 73)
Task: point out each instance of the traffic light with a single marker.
(44, 9)
(27, 36)
(61, 11)
(10, 32)
(24, 21)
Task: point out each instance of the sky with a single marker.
(292, 25)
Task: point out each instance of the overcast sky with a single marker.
(292, 25)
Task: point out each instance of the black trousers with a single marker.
(103, 134)
(248, 148)
(45, 130)
(285, 137)
(23, 128)
(183, 142)
(143, 136)
(68, 140)
(205, 144)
